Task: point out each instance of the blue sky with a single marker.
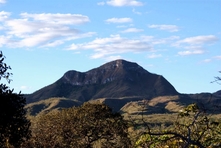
(177, 39)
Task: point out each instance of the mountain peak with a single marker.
(120, 64)
(111, 71)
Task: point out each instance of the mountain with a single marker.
(115, 79)
(218, 93)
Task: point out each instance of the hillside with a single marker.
(134, 105)
(50, 104)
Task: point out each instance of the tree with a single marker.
(14, 127)
(84, 126)
(193, 129)
(217, 79)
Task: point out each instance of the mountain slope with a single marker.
(115, 79)
(50, 104)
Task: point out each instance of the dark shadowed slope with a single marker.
(218, 93)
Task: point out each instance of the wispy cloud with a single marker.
(2, 1)
(132, 30)
(121, 26)
(170, 28)
(3, 40)
(189, 52)
(101, 3)
(218, 57)
(24, 87)
(153, 56)
(111, 58)
(198, 40)
(120, 3)
(119, 20)
(115, 44)
(4, 15)
(57, 18)
(41, 29)
(195, 45)
(158, 41)
(206, 60)
(136, 12)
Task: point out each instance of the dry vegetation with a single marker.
(160, 114)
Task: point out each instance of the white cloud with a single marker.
(43, 30)
(207, 60)
(152, 56)
(3, 40)
(189, 52)
(101, 3)
(194, 45)
(166, 40)
(129, 30)
(2, 1)
(24, 88)
(115, 44)
(4, 15)
(149, 65)
(111, 58)
(119, 20)
(211, 59)
(136, 12)
(204, 39)
(120, 3)
(155, 41)
(218, 57)
(37, 33)
(53, 43)
(170, 28)
(121, 26)
(58, 18)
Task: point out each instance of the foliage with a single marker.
(217, 79)
(4, 68)
(82, 126)
(14, 127)
(193, 128)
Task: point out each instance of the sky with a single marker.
(178, 39)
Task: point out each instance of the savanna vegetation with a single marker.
(193, 128)
(86, 126)
(96, 125)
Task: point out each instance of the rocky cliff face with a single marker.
(116, 70)
(118, 78)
